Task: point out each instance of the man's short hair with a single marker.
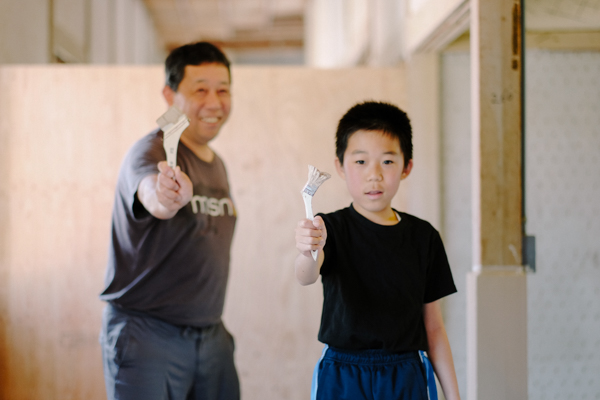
(192, 54)
(375, 116)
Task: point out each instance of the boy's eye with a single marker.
(388, 162)
(360, 162)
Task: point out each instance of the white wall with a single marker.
(78, 31)
(562, 191)
(424, 17)
(346, 33)
(24, 27)
(563, 212)
(456, 197)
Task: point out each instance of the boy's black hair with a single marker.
(192, 54)
(375, 116)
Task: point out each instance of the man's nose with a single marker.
(212, 99)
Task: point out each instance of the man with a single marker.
(162, 335)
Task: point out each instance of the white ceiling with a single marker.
(279, 24)
(231, 23)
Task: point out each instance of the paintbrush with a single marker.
(173, 122)
(315, 179)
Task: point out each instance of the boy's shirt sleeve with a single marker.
(440, 282)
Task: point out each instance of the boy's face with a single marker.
(373, 168)
(204, 96)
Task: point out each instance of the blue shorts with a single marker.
(149, 359)
(369, 374)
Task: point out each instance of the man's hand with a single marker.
(173, 187)
(165, 193)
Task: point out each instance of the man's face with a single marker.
(204, 96)
(373, 168)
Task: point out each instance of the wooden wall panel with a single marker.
(4, 215)
(63, 133)
(65, 130)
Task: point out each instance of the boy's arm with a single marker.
(439, 352)
(310, 235)
(163, 194)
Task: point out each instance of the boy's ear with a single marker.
(168, 94)
(407, 169)
(340, 168)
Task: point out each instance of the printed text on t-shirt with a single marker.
(211, 206)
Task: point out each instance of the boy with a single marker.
(383, 271)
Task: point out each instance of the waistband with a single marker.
(188, 329)
(371, 356)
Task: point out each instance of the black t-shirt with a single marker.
(175, 269)
(376, 280)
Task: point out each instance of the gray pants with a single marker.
(148, 359)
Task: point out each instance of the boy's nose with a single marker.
(375, 174)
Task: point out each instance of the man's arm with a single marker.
(310, 235)
(439, 352)
(165, 193)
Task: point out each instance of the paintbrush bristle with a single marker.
(315, 179)
(171, 116)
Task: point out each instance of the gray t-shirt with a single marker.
(174, 269)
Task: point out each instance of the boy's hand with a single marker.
(310, 235)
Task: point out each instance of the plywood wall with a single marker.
(63, 133)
